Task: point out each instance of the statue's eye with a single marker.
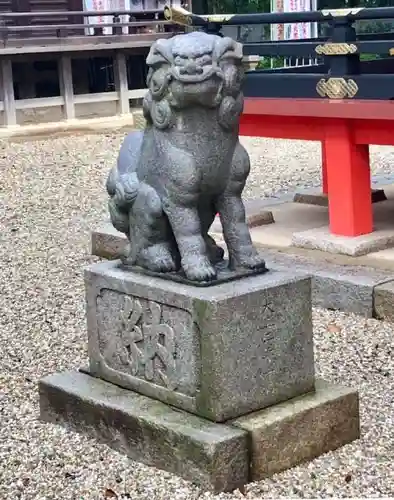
(155, 84)
(206, 59)
(180, 60)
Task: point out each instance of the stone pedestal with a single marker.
(214, 384)
(219, 352)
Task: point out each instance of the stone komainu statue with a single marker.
(188, 164)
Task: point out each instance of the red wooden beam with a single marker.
(279, 127)
(321, 108)
(374, 132)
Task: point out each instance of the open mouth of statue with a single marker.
(194, 73)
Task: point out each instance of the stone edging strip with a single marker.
(356, 289)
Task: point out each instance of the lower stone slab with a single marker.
(301, 429)
(214, 456)
(334, 286)
(321, 200)
(107, 242)
(384, 301)
(343, 293)
(320, 238)
(341, 287)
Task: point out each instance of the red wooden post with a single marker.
(349, 181)
(324, 180)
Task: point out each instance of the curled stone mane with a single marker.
(160, 105)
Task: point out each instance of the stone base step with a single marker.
(217, 457)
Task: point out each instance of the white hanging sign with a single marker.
(102, 5)
(297, 31)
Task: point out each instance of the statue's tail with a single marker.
(122, 182)
(123, 191)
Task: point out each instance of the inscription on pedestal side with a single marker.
(145, 339)
(268, 345)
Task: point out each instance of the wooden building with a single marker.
(53, 68)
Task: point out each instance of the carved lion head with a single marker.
(193, 69)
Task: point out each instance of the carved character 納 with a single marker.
(144, 342)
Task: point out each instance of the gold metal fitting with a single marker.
(336, 49)
(177, 15)
(337, 88)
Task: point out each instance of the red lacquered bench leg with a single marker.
(349, 181)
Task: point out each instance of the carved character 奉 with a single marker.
(188, 164)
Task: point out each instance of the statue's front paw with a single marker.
(198, 268)
(157, 258)
(163, 264)
(250, 260)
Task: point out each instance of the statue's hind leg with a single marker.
(242, 253)
(207, 213)
(152, 243)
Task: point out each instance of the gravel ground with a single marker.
(51, 196)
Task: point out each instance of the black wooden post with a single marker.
(343, 32)
(213, 29)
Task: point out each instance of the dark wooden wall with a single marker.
(41, 6)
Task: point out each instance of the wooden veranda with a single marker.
(51, 63)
